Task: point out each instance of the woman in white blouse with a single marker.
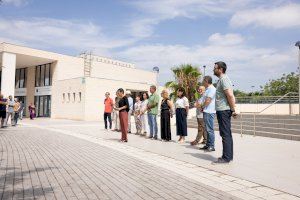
(182, 110)
(144, 113)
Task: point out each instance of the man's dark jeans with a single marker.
(224, 120)
(107, 115)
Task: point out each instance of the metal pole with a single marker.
(254, 124)
(298, 45)
(241, 124)
(299, 79)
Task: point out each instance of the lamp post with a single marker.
(156, 70)
(204, 66)
(298, 45)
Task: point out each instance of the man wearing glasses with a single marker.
(225, 107)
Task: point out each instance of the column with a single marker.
(8, 74)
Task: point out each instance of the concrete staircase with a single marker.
(275, 126)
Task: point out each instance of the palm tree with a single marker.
(186, 76)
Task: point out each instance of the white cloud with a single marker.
(46, 32)
(152, 12)
(278, 17)
(227, 39)
(247, 64)
(15, 2)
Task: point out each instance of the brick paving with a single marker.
(44, 164)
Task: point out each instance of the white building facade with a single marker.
(67, 87)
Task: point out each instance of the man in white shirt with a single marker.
(209, 112)
(10, 111)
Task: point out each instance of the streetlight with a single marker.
(252, 89)
(298, 45)
(156, 70)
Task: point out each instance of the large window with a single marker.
(20, 81)
(43, 75)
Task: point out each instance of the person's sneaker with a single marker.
(150, 137)
(203, 148)
(155, 137)
(220, 161)
(209, 149)
(129, 132)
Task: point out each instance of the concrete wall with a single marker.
(30, 85)
(65, 108)
(95, 90)
(8, 74)
(276, 109)
(114, 72)
(68, 68)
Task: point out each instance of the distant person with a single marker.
(31, 109)
(209, 113)
(166, 109)
(144, 114)
(17, 111)
(21, 112)
(10, 111)
(225, 107)
(137, 115)
(202, 135)
(3, 103)
(130, 101)
(116, 114)
(123, 114)
(108, 104)
(182, 110)
(152, 112)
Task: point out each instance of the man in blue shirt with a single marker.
(209, 113)
(225, 106)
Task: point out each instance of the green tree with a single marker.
(239, 93)
(287, 83)
(186, 76)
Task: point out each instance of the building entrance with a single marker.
(43, 105)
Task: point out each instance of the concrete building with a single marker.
(64, 86)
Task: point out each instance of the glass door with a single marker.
(43, 105)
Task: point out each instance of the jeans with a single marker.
(152, 125)
(12, 118)
(107, 115)
(16, 117)
(224, 120)
(209, 127)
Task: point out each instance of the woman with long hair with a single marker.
(182, 110)
(143, 114)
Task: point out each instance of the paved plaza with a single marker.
(62, 159)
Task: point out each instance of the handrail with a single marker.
(272, 103)
(255, 113)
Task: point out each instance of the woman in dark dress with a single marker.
(166, 112)
(31, 108)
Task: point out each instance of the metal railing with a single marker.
(267, 99)
(279, 100)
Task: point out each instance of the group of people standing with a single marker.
(10, 108)
(13, 109)
(213, 102)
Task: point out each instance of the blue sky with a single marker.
(254, 37)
